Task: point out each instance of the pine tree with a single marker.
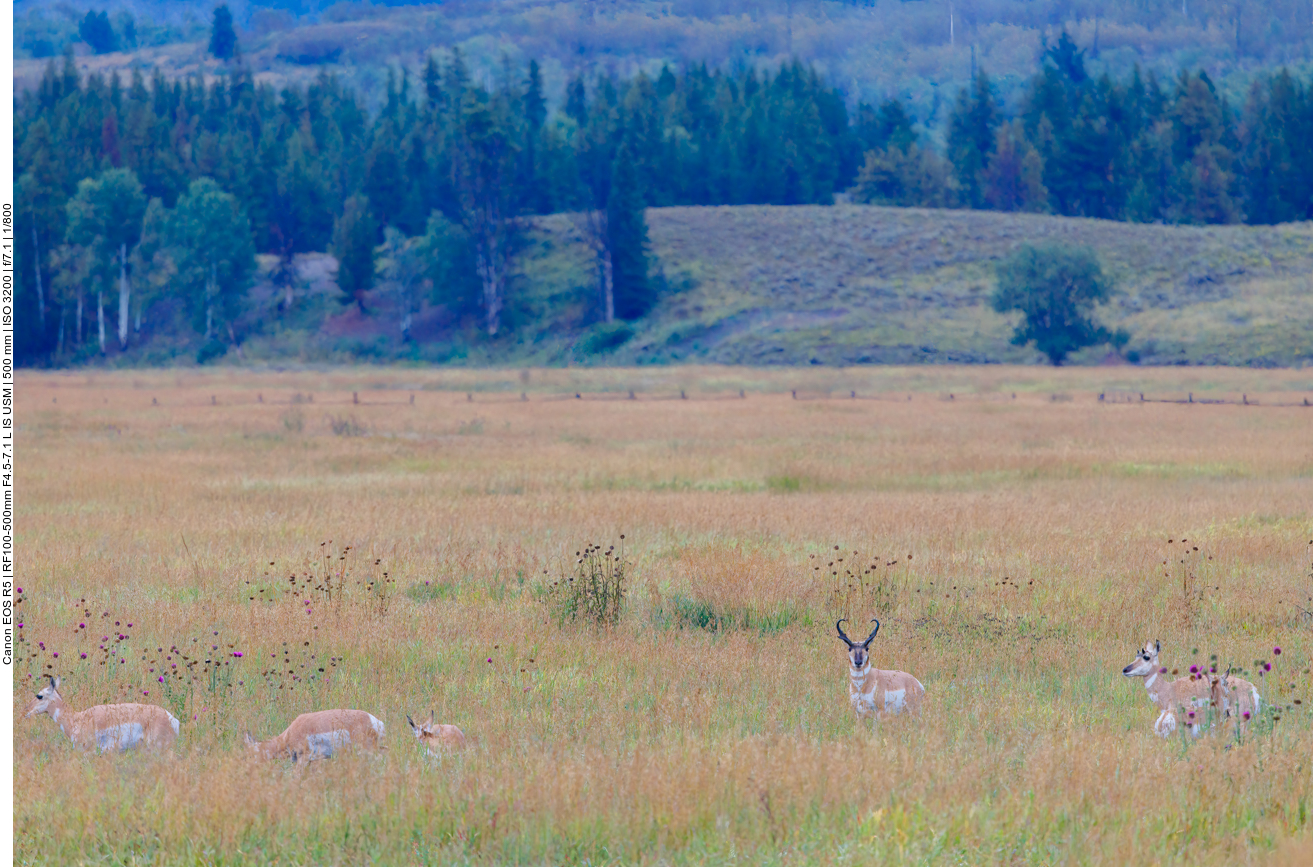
(223, 38)
(97, 32)
(353, 245)
(971, 138)
(626, 226)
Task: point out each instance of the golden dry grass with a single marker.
(712, 725)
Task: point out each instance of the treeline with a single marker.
(1082, 146)
(447, 163)
(126, 188)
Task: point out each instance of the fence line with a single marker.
(472, 397)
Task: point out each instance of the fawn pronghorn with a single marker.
(107, 727)
(437, 739)
(320, 734)
(1189, 697)
(1234, 697)
(873, 690)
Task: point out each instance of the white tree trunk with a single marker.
(100, 318)
(63, 313)
(125, 296)
(40, 290)
(608, 286)
(79, 316)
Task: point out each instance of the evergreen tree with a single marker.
(626, 227)
(97, 32)
(223, 38)
(353, 245)
(971, 138)
(1055, 287)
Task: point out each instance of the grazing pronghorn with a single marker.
(437, 739)
(1187, 697)
(320, 734)
(107, 727)
(873, 690)
(1234, 697)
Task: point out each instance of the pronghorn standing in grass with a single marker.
(107, 727)
(320, 734)
(437, 739)
(1187, 697)
(1234, 697)
(873, 690)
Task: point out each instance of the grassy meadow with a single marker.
(1018, 542)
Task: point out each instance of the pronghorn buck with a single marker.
(437, 739)
(107, 727)
(1235, 698)
(1187, 698)
(873, 690)
(321, 734)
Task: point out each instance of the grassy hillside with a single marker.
(836, 285)
(873, 50)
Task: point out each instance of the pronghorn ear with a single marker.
(56, 681)
(1157, 646)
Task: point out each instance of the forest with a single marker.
(151, 197)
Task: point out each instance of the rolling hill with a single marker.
(838, 285)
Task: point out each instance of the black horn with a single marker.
(867, 642)
(846, 640)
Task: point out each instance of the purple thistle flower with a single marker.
(1276, 651)
(1194, 669)
(1267, 666)
(84, 656)
(1162, 670)
(161, 678)
(238, 654)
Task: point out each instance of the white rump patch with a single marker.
(377, 724)
(1258, 702)
(895, 700)
(123, 736)
(325, 744)
(173, 722)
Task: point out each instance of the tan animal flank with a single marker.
(437, 739)
(874, 691)
(1183, 701)
(107, 727)
(320, 735)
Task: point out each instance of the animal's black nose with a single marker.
(1126, 670)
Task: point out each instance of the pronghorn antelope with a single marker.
(107, 727)
(320, 734)
(873, 690)
(437, 739)
(1186, 697)
(1234, 697)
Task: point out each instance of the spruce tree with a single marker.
(97, 32)
(223, 38)
(626, 226)
(353, 245)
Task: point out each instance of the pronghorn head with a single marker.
(44, 696)
(857, 653)
(252, 745)
(1219, 691)
(1146, 660)
(423, 731)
